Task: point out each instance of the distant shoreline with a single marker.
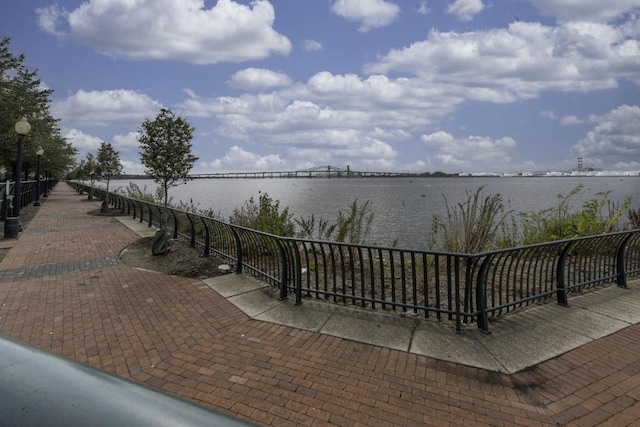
(289, 175)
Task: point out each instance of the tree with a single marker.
(108, 166)
(165, 150)
(90, 171)
(22, 95)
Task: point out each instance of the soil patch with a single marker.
(180, 260)
(109, 212)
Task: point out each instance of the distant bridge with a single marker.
(315, 172)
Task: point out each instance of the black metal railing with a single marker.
(457, 287)
(28, 194)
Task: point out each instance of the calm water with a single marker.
(403, 207)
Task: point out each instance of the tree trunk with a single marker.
(105, 203)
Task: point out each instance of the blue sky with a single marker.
(379, 85)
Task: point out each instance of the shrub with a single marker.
(133, 191)
(475, 225)
(265, 215)
(634, 218)
(355, 226)
(309, 230)
(563, 222)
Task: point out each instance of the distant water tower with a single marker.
(580, 164)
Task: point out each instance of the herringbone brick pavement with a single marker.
(65, 291)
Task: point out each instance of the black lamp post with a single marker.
(39, 153)
(12, 224)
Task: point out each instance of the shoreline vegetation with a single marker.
(476, 224)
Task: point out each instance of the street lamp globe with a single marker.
(40, 151)
(22, 127)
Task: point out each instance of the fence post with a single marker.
(456, 273)
(239, 252)
(284, 276)
(193, 230)
(150, 223)
(294, 251)
(175, 223)
(207, 237)
(620, 258)
(141, 210)
(561, 295)
(481, 295)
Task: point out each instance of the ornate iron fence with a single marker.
(28, 190)
(461, 288)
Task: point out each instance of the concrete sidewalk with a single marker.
(517, 341)
(229, 344)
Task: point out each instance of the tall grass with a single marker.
(353, 226)
(482, 223)
(598, 215)
(475, 225)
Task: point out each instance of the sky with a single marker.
(377, 85)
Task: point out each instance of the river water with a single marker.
(403, 207)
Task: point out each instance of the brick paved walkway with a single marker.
(63, 289)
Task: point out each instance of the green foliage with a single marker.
(194, 208)
(264, 215)
(133, 191)
(165, 150)
(355, 226)
(598, 215)
(475, 225)
(634, 218)
(108, 163)
(22, 95)
(309, 229)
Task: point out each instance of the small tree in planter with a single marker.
(80, 173)
(165, 151)
(90, 171)
(108, 166)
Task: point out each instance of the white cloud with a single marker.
(302, 112)
(86, 143)
(239, 159)
(465, 10)
(472, 153)
(180, 30)
(102, 108)
(548, 114)
(258, 78)
(616, 136)
(311, 45)
(128, 142)
(50, 18)
(519, 62)
(370, 13)
(345, 147)
(423, 9)
(83, 142)
(571, 120)
(627, 165)
(586, 10)
(131, 167)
